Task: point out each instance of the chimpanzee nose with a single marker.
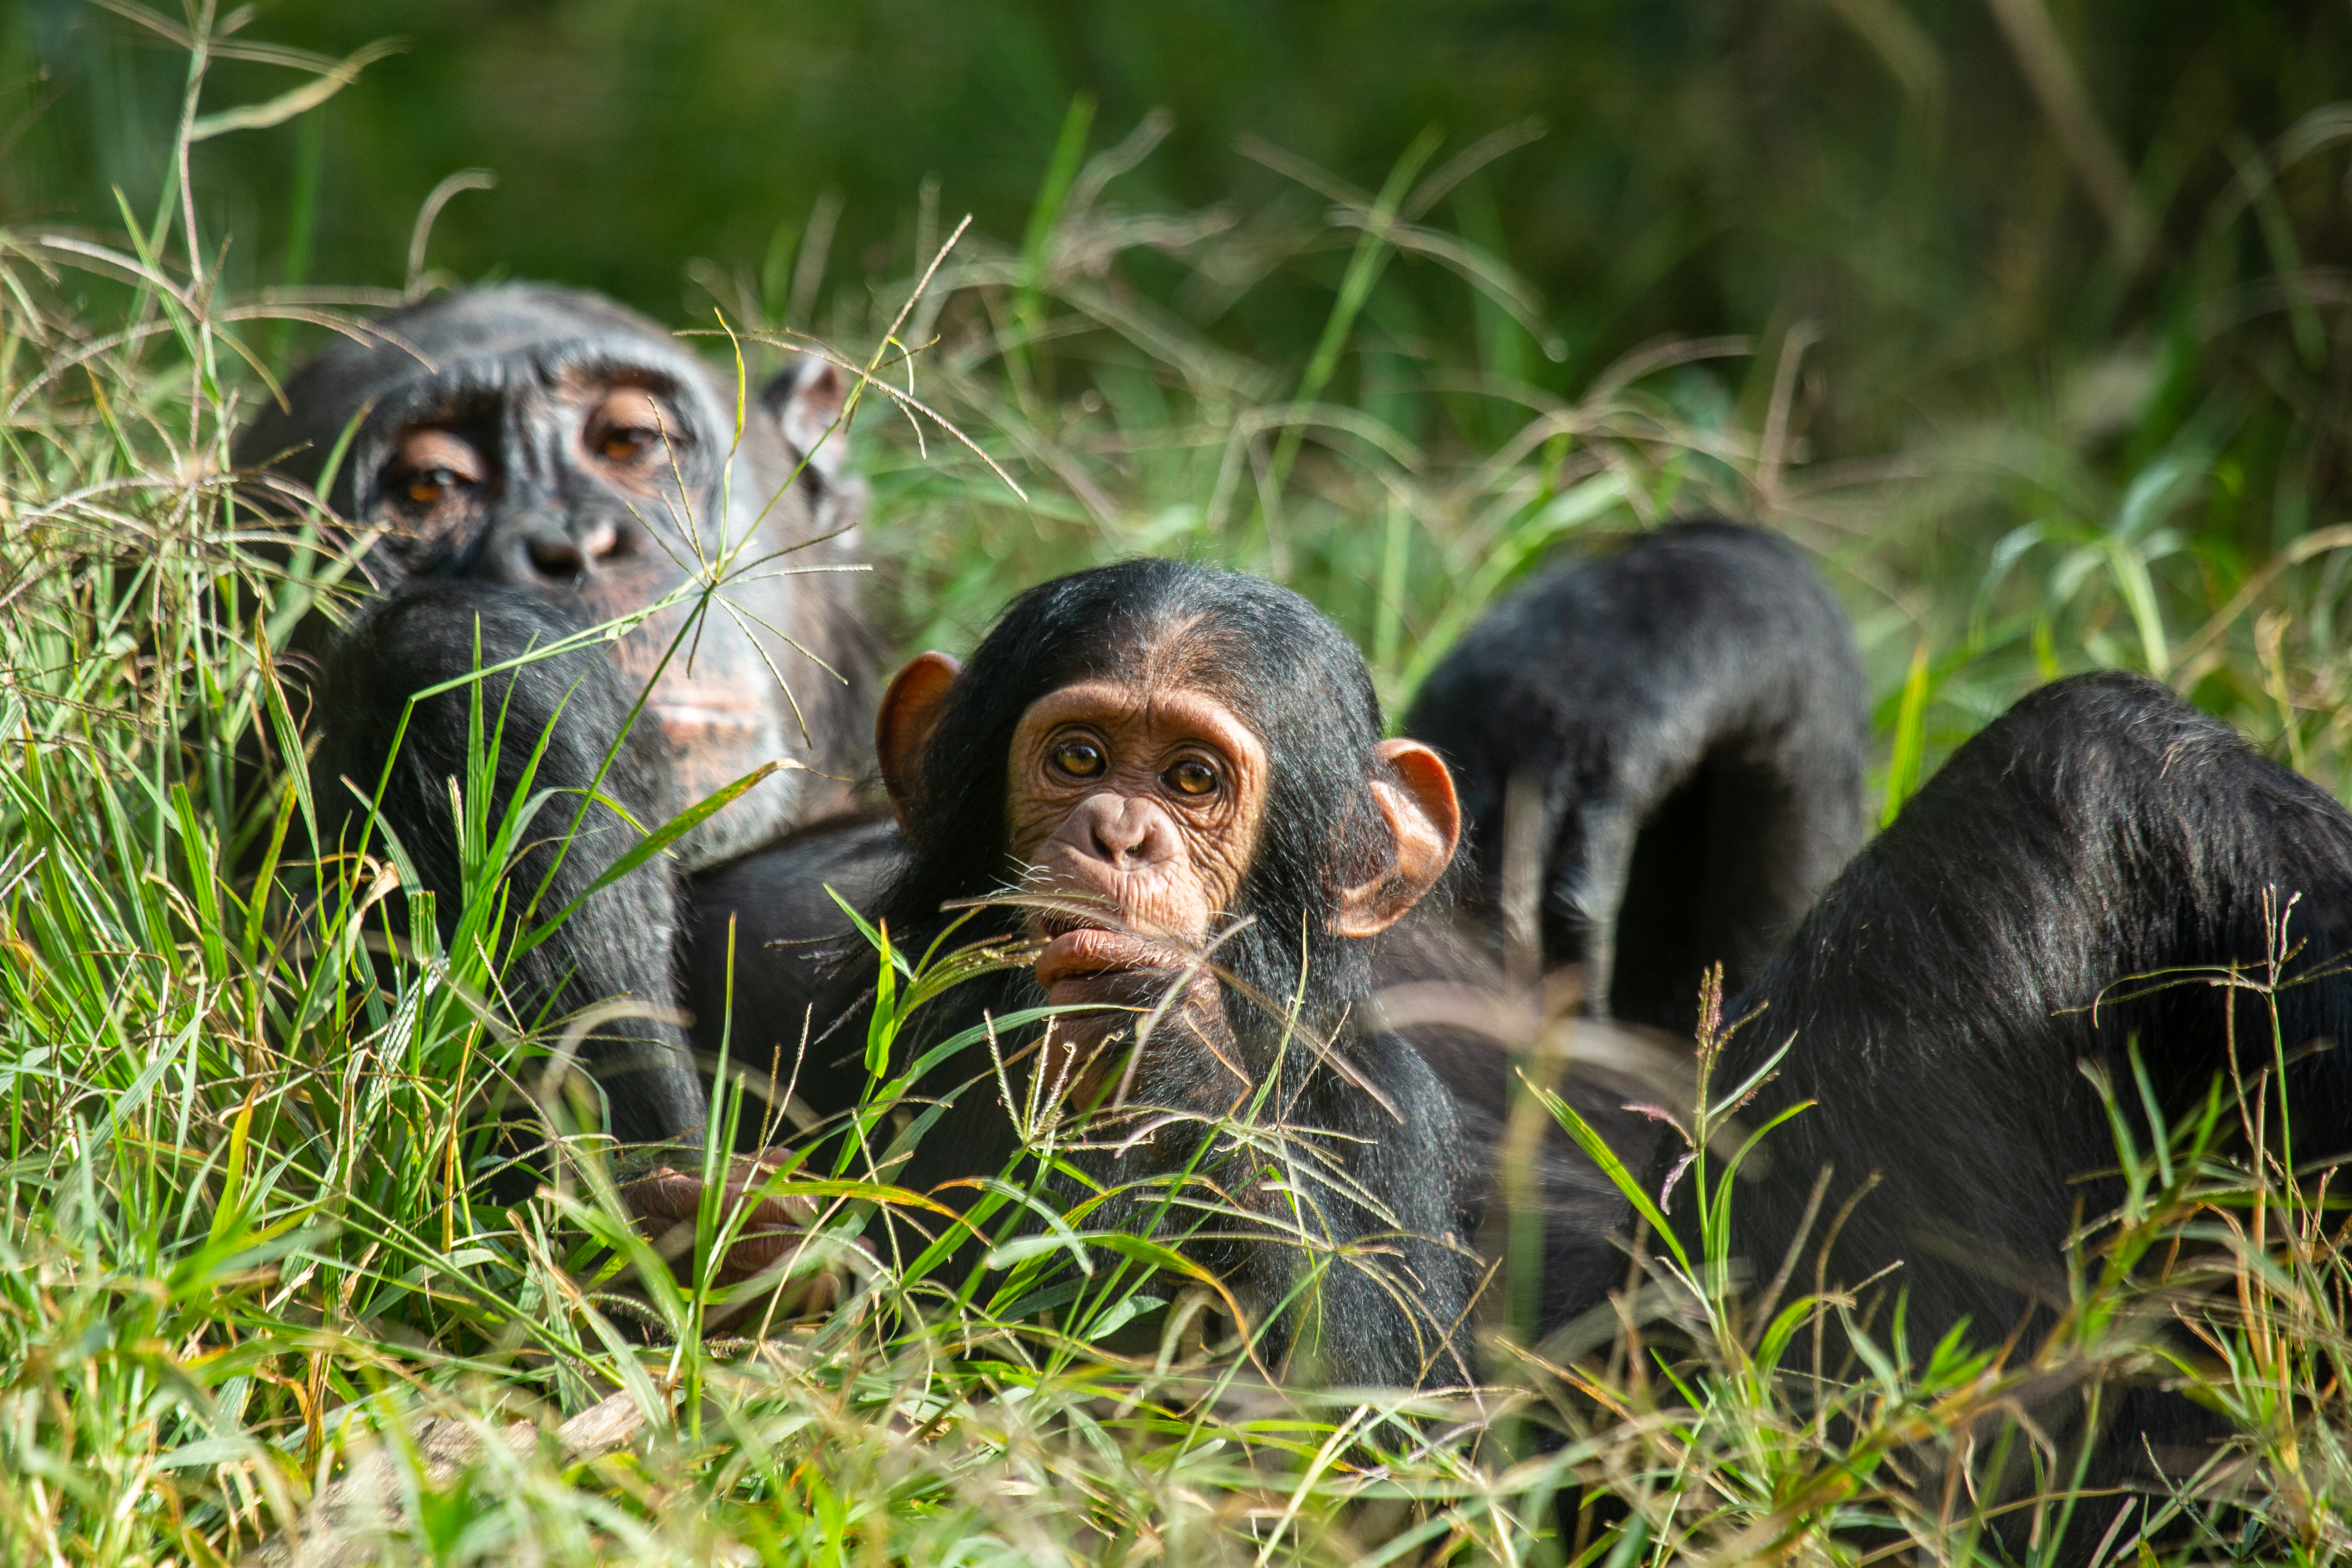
(1124, 832)
(561, 553)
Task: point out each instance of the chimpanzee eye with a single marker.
(621, 444)
(1079, 759)
(1191, 776)
(426, 487)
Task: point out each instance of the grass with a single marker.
(242, 1265)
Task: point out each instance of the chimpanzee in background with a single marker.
(1686, 721)
(1152, 766)
(2066, 886)
(1693, 715)
(541, 461)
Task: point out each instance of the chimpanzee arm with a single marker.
(1692, 716)
(1391, 1305)
(617, 944)
(798, 965)
(1943, 991)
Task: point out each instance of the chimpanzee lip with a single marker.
(703, 712)
(1076, 949)
(1052, 925)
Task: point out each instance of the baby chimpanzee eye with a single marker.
(1191, 776)
(1079, 759)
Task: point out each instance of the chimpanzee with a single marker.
(539, 460)
(1692, 713)
(1699, 691)
(2066, 889)
(1170, 780)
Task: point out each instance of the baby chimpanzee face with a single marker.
(1136, 805)
(1141, 802)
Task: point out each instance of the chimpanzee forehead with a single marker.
(1175, 711)
(524, 380)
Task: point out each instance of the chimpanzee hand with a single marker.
(775, 1233)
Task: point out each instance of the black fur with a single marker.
(1694, 712)
(501, 368)
(618, 944)
(793, 949)
(1941, 994)
(1392, 1306)
(1691, 714)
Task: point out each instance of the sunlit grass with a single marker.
(245, 1239)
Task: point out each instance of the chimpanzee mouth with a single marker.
(1053, 926)
(1077, 948)
(701, 716)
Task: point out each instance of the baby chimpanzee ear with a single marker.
(1425, 819)
(902, 730)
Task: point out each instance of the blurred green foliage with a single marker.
(1883, 167)
(2050, 359)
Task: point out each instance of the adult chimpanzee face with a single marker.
(567, 491)
(591, 487)
(553, 442)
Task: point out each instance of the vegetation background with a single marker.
(2028, 317)
(2034, 247)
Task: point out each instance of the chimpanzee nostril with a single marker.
(556, 555)
(564, 554)
(1118, 828)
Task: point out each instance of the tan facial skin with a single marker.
(1141, 805)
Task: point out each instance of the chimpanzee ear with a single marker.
(902, 730)
(1425, 819)
(806, 399)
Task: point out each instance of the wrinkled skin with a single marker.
(1135, 808)
(1135, 812)
(793, 1275)
(552, 443)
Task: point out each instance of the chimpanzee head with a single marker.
(1159, 751)
(553, 442)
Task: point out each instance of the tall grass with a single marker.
(251, 1286)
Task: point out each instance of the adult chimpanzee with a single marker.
(538, 460)
(1685, 722)
(1171, 780)
(2069, 886)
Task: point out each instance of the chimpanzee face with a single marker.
(592, 485)
(1141, 801)
(570, 490)
(558, 445)
(1135, 808)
